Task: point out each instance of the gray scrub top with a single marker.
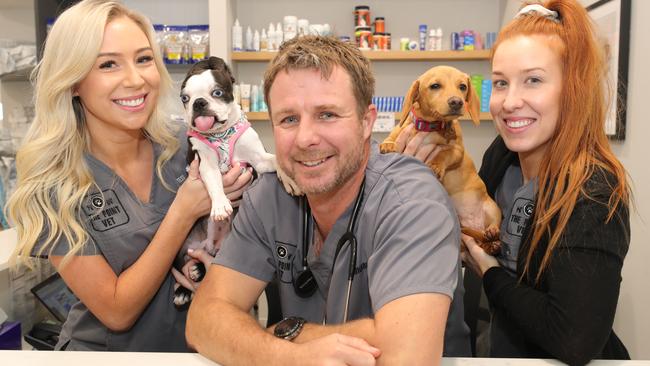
(408, 243)
(121, 227)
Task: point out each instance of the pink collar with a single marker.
(426, 126)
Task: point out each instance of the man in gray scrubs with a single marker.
(390, 301)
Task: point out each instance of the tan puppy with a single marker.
(434, 103)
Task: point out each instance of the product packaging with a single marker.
(423, 36)
(237, 37)
(245, 91)
(175, 39)
(362, 16)
(198, 42)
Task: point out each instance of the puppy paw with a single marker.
(221, 209)
(182, 296)
(289, 184)
(387, 147)
(438, 170)
(492, 233)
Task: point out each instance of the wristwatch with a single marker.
(289, 328)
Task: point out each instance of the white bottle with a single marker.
(431, 41)
(256, 41)
(254, 98)
(279, 35)
(271, 35)
(439, 39)
(264, 41)
(236, 36)
(249, 39)
(236, 95)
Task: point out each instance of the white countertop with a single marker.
(49, 358)
(8, 239)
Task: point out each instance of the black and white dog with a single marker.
(220, 134)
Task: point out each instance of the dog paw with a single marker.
(492, 233)
(221, 209)
(439, 171)
(387, 147)
(182, 296)
(289, 184)
(492, 247)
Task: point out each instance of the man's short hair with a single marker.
(323, 53)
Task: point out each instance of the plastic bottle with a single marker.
(279, 35)
(256, 41)
(254, 98)
(249, 39)
(264, 41)
(423, 37)
(237, 36)
(271, 42)
(431, 43)
(439, 39)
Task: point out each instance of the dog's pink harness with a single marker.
(223, 143)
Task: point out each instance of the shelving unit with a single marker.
(384, 55)
(264, 116)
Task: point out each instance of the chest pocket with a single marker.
(121, 227)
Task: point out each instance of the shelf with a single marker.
(384, 55)
(263, 116)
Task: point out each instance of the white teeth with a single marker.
(312, 163)
(520, 123)
(130, 102)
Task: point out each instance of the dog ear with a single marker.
(216, 63)
(411, 97)
(473, 103)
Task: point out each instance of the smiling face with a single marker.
(320, 141)
(121, 90)
(525, 101)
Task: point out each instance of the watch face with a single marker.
(288, 327)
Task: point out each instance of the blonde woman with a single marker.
(102, 188)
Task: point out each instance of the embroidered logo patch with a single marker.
(105, 211)
(284, 254)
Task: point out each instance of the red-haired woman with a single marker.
(564, 196)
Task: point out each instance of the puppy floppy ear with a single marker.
(410, 99)
(216, 63)
(473, 103)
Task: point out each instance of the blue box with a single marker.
(486, 91)
(10, 336)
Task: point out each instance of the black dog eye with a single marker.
(462, 87)
(434, 86)
(185, 98)
(217, 93)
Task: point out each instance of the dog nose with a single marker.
(199, 104)
(455, 103)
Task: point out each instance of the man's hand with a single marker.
(337, 349)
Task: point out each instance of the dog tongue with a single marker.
(204, 123)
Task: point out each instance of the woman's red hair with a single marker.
(579, 144)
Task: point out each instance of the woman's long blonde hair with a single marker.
(579, 145)
(52, 176)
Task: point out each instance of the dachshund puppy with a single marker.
(433, 104)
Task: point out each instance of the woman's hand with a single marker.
(196, 256)
(418, 147)
(235, 181)
(192, 197)
(475, 257)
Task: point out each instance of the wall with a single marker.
(633, 320)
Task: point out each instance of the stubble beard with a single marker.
(351, 165)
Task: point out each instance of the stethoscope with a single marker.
(305, 285)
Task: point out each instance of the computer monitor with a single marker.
(55, 296)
